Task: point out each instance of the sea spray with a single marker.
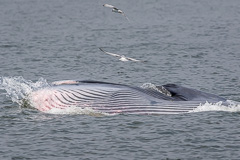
(160, 89)
(231, 106)
(17, 88)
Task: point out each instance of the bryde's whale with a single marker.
(119, 98)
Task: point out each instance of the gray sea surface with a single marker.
(191, 43)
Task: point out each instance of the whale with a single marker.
(112, 98)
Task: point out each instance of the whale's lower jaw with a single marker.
(109, 98)
(47, 99)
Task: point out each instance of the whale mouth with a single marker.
(102, 98)
(108, 99)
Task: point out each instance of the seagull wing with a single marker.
(125, 16)
(112, 54)
(132, 59)
(108, 5)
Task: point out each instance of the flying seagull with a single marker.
(116, 10)
(122, 57)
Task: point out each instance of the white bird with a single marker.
(122, 57)
(116, 10)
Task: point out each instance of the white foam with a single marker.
(154, 87)
(17, 88)
(149, 85)
(232, 106)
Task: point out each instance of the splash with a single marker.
(231, 106)
(160, 89)
(17, 88)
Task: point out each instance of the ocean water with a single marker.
(190, 43)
